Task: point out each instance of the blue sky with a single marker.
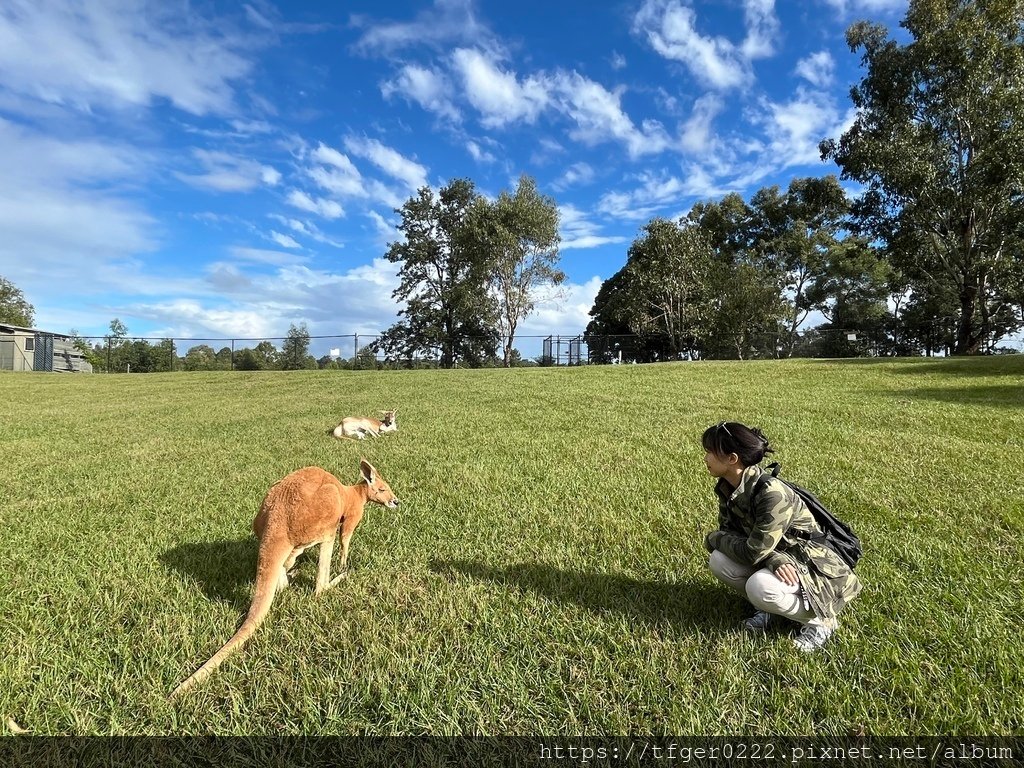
(210, 169)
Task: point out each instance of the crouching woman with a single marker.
(761, 548)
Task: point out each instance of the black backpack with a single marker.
(838, 536)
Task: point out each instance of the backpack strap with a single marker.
(763, 480)
(796, 533)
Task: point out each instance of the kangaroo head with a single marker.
(380, 491)
(388, 417)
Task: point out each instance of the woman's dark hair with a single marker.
(726, 437)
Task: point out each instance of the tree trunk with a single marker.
(792, 333)
(448, 344)
(507, 341)
(968, 339)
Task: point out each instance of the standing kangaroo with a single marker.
(359, 426)
(306, 508)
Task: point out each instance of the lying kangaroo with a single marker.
(304, 509)
(359, 427)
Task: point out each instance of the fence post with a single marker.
(355, 347)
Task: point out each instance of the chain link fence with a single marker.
(358, 351)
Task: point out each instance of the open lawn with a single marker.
(546, 570)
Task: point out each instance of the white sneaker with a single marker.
(813, 636)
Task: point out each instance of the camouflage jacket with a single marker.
(756, 532)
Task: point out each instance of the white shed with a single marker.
(30, 349)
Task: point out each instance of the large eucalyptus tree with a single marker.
(938, 142)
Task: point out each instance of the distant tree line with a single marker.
(118, 353)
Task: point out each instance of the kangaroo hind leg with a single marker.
(323, 574)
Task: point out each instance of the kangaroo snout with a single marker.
(392, 504)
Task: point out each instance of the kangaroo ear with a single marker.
(367, 471)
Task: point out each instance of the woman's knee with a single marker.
(725, 567)
(765, 589)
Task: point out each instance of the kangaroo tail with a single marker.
(266, 587)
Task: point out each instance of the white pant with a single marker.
(765, 590)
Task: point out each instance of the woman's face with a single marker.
(719, 465)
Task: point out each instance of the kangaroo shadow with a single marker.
(685, 604)
(224, 570)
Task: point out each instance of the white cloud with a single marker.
(189, 319)
(336, 174)
(618, 61)
(577, 173)
(818, 69)
(258, 18)
(384, 230)
(579, 233)
(547, 149)
(795, 128)
(330, 156)
(566, 316)
(598, 117)
(67, 227)
(479, 154)
(246, 255)
(502, 98)
(329, 209)
(658, 193)
(762, 29)
(447, 22)
(227, 173)
(306, 229)
(285, 241)
(120, 54)
(697, 136)
(670, 28)
(244, 303)
(703, 184)
(498, 95)
(293, 224)
(251, 127)
(655, 193)
(595, 113)
(29, 157)
(426, 87)
(411, 173)
(867, 6)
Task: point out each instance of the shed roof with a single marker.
(8, 328)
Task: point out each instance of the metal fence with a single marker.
(359, 351)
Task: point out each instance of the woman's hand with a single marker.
(787, 574)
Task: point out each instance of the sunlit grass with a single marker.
(545, 572)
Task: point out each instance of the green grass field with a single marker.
(545, 572)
